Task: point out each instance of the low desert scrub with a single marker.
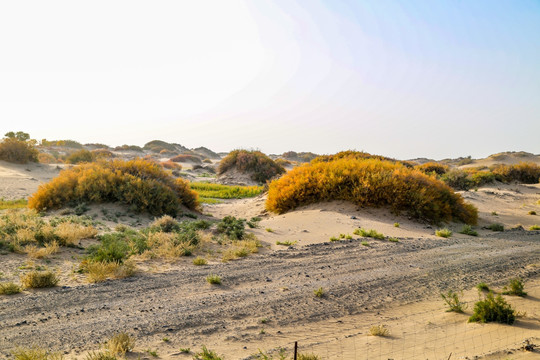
(453, 301)
(35, 353)
(199, 261)
(532, 212)
(18, 149)
(39, 279)
(213, 279)
(308, 357)
(45, 158)
(379, 330)
(171, 165)
(71, 144)
(70, 233)
(393, 239)
(365, 243)
(319, 292)
(482, 287)
(369, 233)
(142, 185)
(468, 230)
(232, 227)
(496, 227)
(260, 167)
(126, 147)
(219, 191)
(373, 183)
(100, 355)
(240, 249)
(535, 227)
(445, 233)
(493, 309)
(525, 173)
(98, 271)
(9, 288)
(514, 287)
(186, 158)
(206, 354)
(350, 155)
(286, 243)
(396, 224)
(120, 344)
(39, 253)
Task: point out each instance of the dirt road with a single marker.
(277, 285)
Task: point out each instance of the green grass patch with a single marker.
(445, 233)
(209, 193)
(369, 233)
(13, 204)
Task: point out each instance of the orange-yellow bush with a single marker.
(349, 154)
(526, 173)
(261, 167)
(432, 167)
(370, 182)
(18, 151)
(140, 184)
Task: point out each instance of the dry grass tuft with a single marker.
(120, 344)
(35, 353)
(9, 288)
(39, 253)
(98, 271)
(39, 279)
(379, 330)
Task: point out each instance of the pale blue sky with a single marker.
(400, 78)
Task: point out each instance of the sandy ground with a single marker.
(267, 300)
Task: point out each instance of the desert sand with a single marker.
(267, 302)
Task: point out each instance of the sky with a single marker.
(405, 79)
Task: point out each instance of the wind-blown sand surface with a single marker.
(396, 284)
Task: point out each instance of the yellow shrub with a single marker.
(432, 167)
(526, 173)
(45, 158)
(141, 184)
(370, 182)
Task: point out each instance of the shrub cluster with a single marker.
(351, 155)
(260, 166)
(432, 167)
(370, 182)
(140, 184)
(16, 150)
(493, 309)
(62, 143)
(126, 147)
(186, 158)
(158, 145)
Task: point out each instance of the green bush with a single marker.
(39, 279)
(258, 165)
(515, 287)
(445, 233)
(457, 179)
(113, 247)
(493, 309)
(372, 183)
(468, 230)
(232, 227)
(496, 227)
(525, 173)
(453, 301)
(432, 168)
(140, 184)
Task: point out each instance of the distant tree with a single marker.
(19, 135)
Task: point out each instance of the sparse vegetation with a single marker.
(365, 243)
(396, 224)
(445, 233)
(369, 233)
(286, 243)
(384, 183)
(496, 227)
(213, 279)
(139, 184)
(9, 288)
(535, 227)
(13, 204)
(319, 292)
(379, 330)
(258, 165)
(532, 212)
(453, 301)
(482, 286)
(493, 309)
(515, 287)
(39, 279)
(35, 353)
(199, 261)
(432, 168)
(186, 158)
(100, 355)
(393, 239)
(120, 344)
(468, 230)
(206, 354)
